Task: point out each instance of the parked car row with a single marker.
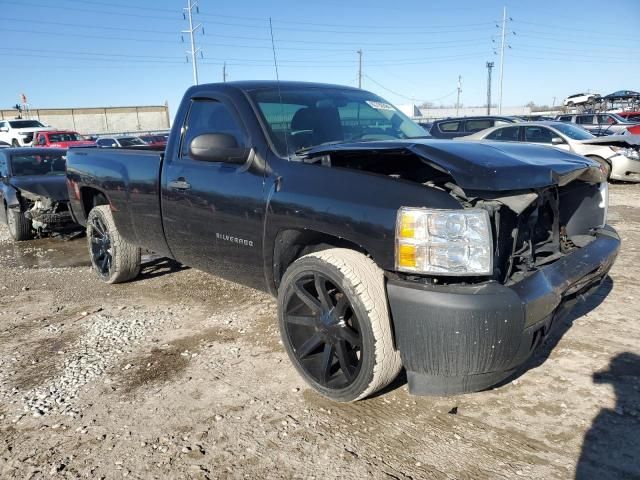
(584, 98)
(603, 123)
(27, 133)
(618, 163)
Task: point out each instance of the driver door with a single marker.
(213, 212)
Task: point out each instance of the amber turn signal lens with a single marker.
(407, 256)
(407, 225)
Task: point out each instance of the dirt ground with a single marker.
(182, 375)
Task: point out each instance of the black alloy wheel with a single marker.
(101, 248)
(323, 331)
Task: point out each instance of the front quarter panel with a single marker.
(357, 206)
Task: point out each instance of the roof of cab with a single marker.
(248, 85)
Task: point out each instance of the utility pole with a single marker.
(489, 68)
(459, 91)
(504, 29)
(224, 72)
(191, 4)
(359, 52)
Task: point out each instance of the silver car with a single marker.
(599, 123)
(620, 163)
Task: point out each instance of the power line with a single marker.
(412, 99)
(263, 20)
(433, 45)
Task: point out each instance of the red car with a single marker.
(61, 139)
(155, 140)
(633, 116)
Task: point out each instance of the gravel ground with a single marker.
(181, 375)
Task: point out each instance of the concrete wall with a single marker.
(437, 113)
(101, 120)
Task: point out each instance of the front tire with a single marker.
(20, 227)
(113, 258)
(335, 324)
(14, 143)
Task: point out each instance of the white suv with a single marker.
(580, 98)
(20, 132)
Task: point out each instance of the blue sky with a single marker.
(74, 53)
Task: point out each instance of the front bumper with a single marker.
(625, 169)
(456, 339)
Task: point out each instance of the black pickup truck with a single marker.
(385, 248)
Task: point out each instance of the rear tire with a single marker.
(604, 165)
(20, 226)
(114, 259)
(335, 324)
(14, 143)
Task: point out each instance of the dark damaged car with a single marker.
(33, 191)
(385, 249)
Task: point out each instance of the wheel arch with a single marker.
(291, 244)
(92, 197)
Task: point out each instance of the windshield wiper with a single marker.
(304, 150)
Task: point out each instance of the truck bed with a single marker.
(130, 178)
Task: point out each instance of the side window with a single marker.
(3, 125)
(3, 167)
(537, 135)
(606, 120)
(564, 118)
(210, 116)
(450, 126)
(472, 126)
(42, 140)
(585, 120)
(104, 142)
(507, 134)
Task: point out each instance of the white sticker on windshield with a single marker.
(380, 105)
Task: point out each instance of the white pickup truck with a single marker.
(20, 132)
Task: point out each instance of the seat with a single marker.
(316, 125)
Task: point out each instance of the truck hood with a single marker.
(493, 166)
(53, 186)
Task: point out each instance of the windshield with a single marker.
(299, 118)
(37, 164)
(573, 132)
(130, 141)
(25, 124)
(65, 137)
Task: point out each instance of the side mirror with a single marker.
(218, 147)
(557, 141)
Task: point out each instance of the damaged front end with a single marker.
(551, 246)
(46, 215)
(543, 203)
(535, 228)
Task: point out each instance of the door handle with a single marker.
(179, 184)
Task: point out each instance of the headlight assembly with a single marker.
(444, 242)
